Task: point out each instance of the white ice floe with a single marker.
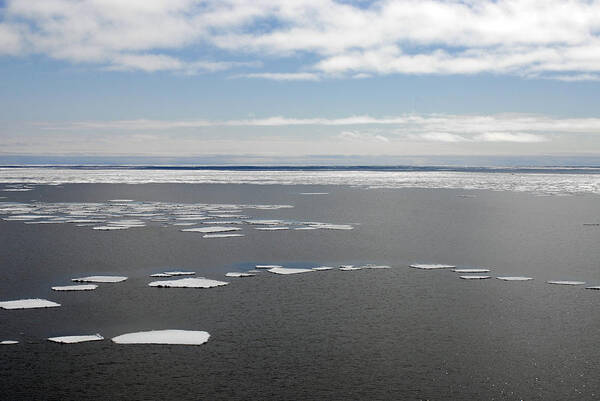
(431, 266)
(82, 287)
(179, 273)
(182, 337)
(348, 268)
(322, 268)
(76, 339)
(289, 270)
(327, 226)
(110, 228)
(474, 277)
(185, 224)
(215, 229)
(264, 222)
(377, 267)
(8, 342)
(28, 304)
(471, 270)
(188, 283)
(594, 287)
(305, 228)
(160, 275)
(272, 228)
(566, 282)
(100, 279)
(515, 278)
(239, 274)
(222, 235)
(267, 266)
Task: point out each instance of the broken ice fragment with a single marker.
(349, 268)
(515, 278)
(566, 282)
(471, 270)
(288, 270)
(180, 273)
(76, 339)
(100, 279)
(188, 283)
(322, 268)
(182, 337)
(28, 304)
(431, 266)
(82, 287)
(160, 275)
(474, 277)
(239, 274)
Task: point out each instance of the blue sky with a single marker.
(299, 79)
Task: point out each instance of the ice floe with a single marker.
(348, 268)
(239, 274)
(82, 287)
(431, 266)
(8, 342)
(222, 235)
(327, 226)
(100, 279)
(160, 275)
(215, 229)
(461, 270)
(515, 278)
(566, 282)
(110, 228)
(28, 304)
(182, 337)
(289, 270)
(594, 287)
(188, 283)
(267, 266)
(377, 267)
(180, 273)
(272, 228)
(474, 277)
(323, 268)
(76, 339)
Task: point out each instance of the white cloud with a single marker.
(518, 137)
(438, 137)
(548, 38)
(363, 137)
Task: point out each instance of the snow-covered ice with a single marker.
(322, 268)
(8, 342)
(160, 275)
(76, 339)
(239, 274)
(82, 287)
(289, 270)
(100, 279)
(272, 228)
(222, 235)
(215, 229)
(431, 266)
(28, 304)
(461, 270)
(183, 337)
(348, 268)
(180, 273)
(474, 277)
(188, 283)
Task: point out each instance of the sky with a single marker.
(299, 81)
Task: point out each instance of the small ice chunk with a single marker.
(327, 226)
(222, 235)
(431, 266)
(348, 268)
(76, 339)
(267, 266)
(100, 279)
(188, 283)
(594, 287)
(8, 342)
(289, 270)
(28, 304)
(474, 277)
(180, 273)
(215, 229)
(239, 274)
(183, 337)
(272, 228)
(82, 287)
(377, 267)
(471, 270)
(515, 278)
(160, 275)
(322, 268)
(566, 282)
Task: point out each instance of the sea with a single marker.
(362, 333)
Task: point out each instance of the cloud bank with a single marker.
(557, 39)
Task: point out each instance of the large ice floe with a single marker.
(179, 273)
(81, 287)
(515, 278)
(348, 268)
(197, 282)
(289, 270)
(28, 304)
(474, 277)
(100, 279)
(239, 274)
(566, 282)
(76, 339)
(593, 287)
(180, 337)
(424, 266)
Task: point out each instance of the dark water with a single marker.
(371, 334)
